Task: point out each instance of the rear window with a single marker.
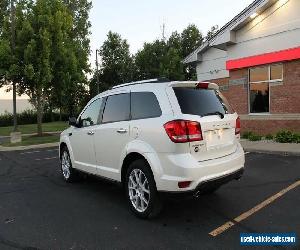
(144, 105)
(201, 101)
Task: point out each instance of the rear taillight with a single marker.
(184, 184)
(238, 126)
(183, 131)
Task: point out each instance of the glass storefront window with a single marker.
(276, 72)
(259, 97)
(259, 74)
(259, 86)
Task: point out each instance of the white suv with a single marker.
(155, 136)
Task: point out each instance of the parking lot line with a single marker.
(51, 150)
(30, 152)
(247, 153)
(253, 210)
(47, 158)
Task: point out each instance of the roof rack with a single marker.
(156, 80)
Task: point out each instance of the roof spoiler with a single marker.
(195, 84)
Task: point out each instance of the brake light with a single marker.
(180, 131)
(202, 85)
(184, 184)
(238, 126)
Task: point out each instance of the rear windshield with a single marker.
(201, 101)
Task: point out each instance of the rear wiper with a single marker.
(215, 113)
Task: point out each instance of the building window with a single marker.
(259, 86)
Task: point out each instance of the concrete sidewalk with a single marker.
(53, 132)
(17, 148)
(271, 147)
(6, 138)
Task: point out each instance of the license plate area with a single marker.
(218, 137)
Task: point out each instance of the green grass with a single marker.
(33, 140)
(32, 128)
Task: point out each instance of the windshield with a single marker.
(201, 101)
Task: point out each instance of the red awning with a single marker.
(278, 56)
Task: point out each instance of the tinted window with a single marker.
(144, 105)
(116, 108)
(259, 97)
(201, 101)
(91, 114)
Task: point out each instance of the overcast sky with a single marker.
(141, 21)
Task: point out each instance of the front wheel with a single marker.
(141, 190)
(68, 172)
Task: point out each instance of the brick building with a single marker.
(255, 59)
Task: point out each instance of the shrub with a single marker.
(246, 134)
(269, 137)
(286, 136)
(29, 117)
(297, 138)
(254, 137)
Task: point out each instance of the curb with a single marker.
(271, 147)
(18, 148)
(284, 153)
(53, 132)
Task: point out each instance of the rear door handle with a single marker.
(122, 131)
(90, 133)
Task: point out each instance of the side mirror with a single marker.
(73, 121)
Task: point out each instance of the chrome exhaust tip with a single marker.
(197, 194)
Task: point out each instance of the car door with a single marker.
(82, 138)
(112, 136)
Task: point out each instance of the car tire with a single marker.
(68, 172)
(141, 192)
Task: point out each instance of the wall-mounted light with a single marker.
(253, 15)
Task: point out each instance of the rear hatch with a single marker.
(204, 103)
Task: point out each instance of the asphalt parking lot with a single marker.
(39, 211)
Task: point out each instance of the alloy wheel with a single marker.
(65, 165)
(139, 190)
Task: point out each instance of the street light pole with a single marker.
(97, 73)
(13, 17)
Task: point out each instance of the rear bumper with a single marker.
(204, 186)
(201, 174)
(207, 185)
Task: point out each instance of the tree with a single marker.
(71, 48)
(148, 60)
(171, 65)
(93, 88)
(50, 55)
(34, 41)
(191, 39)
(50, 59)
(5, 61)
(116, 62)
(161, 58)
(9, 70)
(175, 42)
(4, 13)
(213, 30)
